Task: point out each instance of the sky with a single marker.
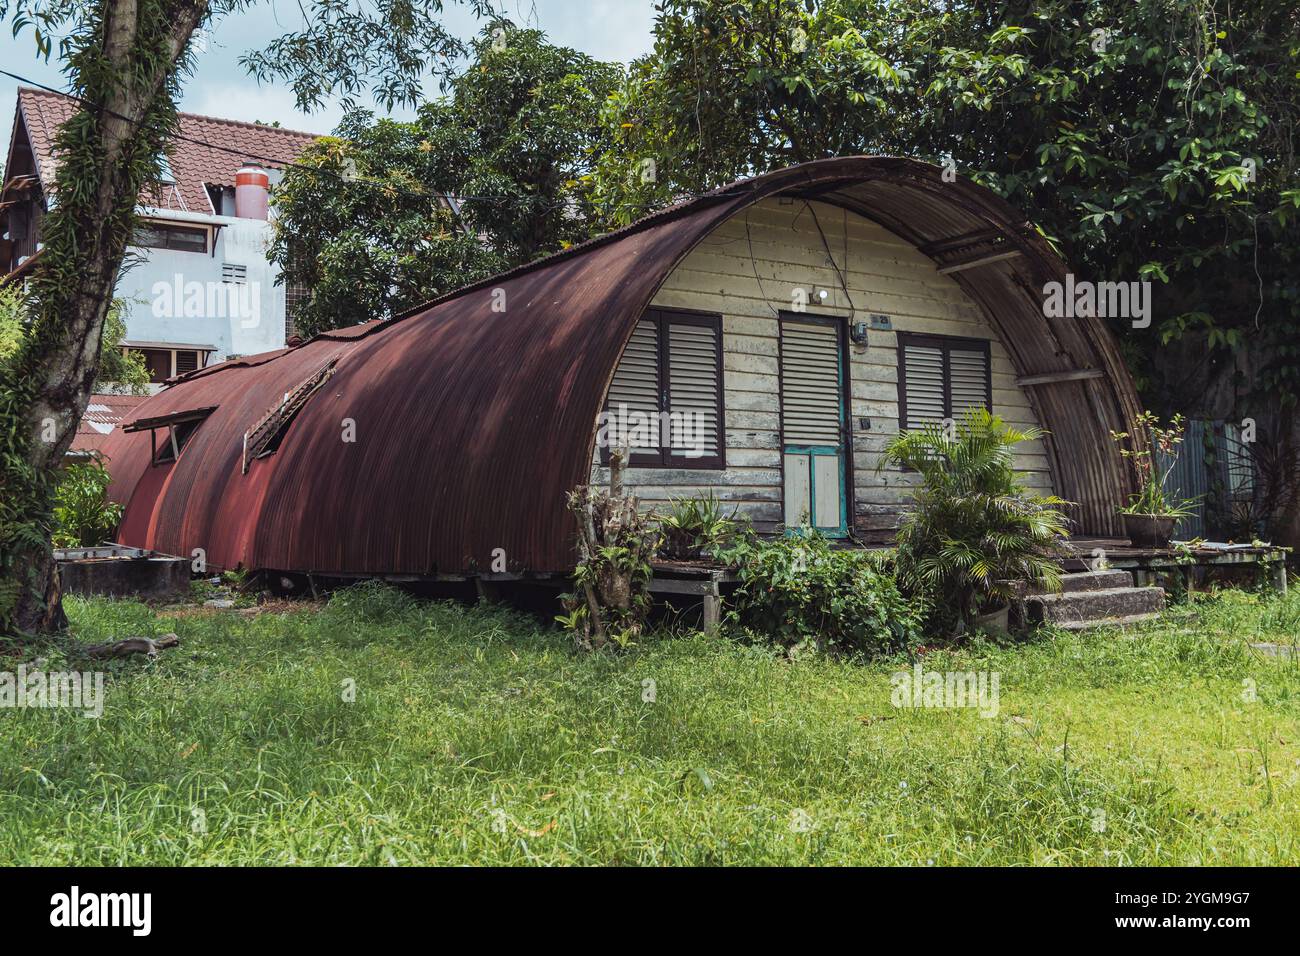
(607, 29)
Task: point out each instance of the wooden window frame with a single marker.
(167, 230)
(180, 427)
(946, 345)
(662, 458)
(200, 359)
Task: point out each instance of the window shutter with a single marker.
(635, 388)
(941, 377)
(810, 384)
(923, 384)
(969, 375)
(693, 389)
(186, 361)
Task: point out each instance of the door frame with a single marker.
(848, 499)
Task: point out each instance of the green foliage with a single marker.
(616, 545)
(487, 710)
(345, 50)
(802, 593)
(12, 319)
(511, 144)
(1150, 139)
(736, 88)
(695, 526)
(83, 515)
(123, 371)
(974, 525)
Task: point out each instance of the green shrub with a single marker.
(800, 592)
(974, 525)
(83, 515)
(695, 526)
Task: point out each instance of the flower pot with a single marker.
(995, 621)
(1149, 531)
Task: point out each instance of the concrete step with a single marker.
(1090, 608)
(1081, 581)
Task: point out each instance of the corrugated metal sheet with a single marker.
(470, 424)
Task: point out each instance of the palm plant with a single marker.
(975, 527)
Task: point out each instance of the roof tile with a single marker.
(222, 147)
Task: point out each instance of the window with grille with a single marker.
(940, 377)
(296, 295)
(158, 235)
(665, 401)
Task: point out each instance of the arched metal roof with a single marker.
(471, 424)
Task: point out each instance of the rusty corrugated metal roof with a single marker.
(469, 424)
(104, 413)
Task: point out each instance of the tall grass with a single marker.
(478, 736)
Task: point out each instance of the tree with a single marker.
(735, 89)
(119, 370)
(125, 61)
(1152, 140)
(372, 233)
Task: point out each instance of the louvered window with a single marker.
(186, 361)
(940, 377)
(665, 401)
(810, 383)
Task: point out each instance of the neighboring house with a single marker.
(787, 326)
(103, 414)
(197, 285)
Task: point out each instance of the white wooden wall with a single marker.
(884, 274)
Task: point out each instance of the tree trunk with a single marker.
(106, 154)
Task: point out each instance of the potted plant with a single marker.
(974, 527)
(694, 526)
(1151, 514)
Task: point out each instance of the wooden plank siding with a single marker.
(884, 274)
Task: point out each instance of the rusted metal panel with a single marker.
(470, 424)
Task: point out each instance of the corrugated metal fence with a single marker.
(1215, 468)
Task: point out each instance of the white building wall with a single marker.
(178, 297)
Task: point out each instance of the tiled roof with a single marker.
(192, 164)
(103, 414)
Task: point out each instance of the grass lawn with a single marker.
(478, 736)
